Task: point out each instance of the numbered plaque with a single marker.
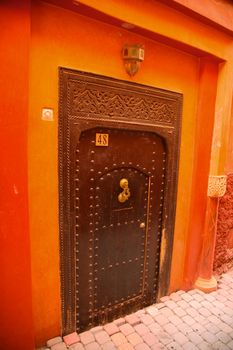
(101, 139)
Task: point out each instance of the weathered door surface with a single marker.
(118, 167)
(118, 213)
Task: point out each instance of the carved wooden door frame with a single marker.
(87, 101)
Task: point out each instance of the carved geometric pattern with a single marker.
(217, 185)
(88, 100)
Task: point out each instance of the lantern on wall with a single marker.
(133, 55)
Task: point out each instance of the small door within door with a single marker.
(117, 213)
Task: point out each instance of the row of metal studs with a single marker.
(134, 295)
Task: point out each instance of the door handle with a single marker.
(125, 194)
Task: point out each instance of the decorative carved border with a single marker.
(217, 185)
(86, 101)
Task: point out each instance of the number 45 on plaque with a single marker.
(101, 139)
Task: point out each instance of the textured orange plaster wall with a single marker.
(203, 141)
(220, 12)
(168, 22)
(16, 322)
(62, 38)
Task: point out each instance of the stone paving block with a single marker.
(71, 338)
(126, 329)
(118, 339)
(229, 304)
(119, 321)
(161, 319)
(132, 319)
(134, 339)
(183, 304)
(188, 319)
(218, 304)
(96, 329)
(155, 328)
(167, 312)
(157, 347)
(86, 337)
(108, 346)
(230, 344)
(227, 311)
(175, 297)
(146, 319)
(149, 338)
(227, 319)
(102, 337)
(204, 346)
(214, 319)
(152, 310)
(221, 298)
(187, 297)
(209, 337)
(111, 328)
(77, 346)
(194, 338)
(198, 297)
(179, 292)
(180, 338)
(59, 346)
(185, 328)
(170, 328)
(223, 337)
(141, 329)
(209, 298)
(160, 306)
(224, 292)
(142, 347)
(189, 346)
(53, 341)
(140, 312)
(179, 311)
(175, 320)
(191, 311)
(197, 327)
(92, 346)
(225, 327)
(195, 304)
(192, 291)
(204, 312)
(125, 346)
(216, 311)
(171, 304)
(212, 328)
(164, 338)
(165, 298)
(206, 304)
(220, 346)
(174, 346)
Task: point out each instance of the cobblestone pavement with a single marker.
(183, 320)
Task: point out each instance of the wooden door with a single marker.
(110, 249)
(116, 208)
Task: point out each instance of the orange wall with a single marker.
(220, 12)
(62, 38)
(201, 168)
(16, 324)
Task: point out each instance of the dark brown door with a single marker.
(117, 202)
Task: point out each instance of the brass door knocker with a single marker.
(125, 194)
